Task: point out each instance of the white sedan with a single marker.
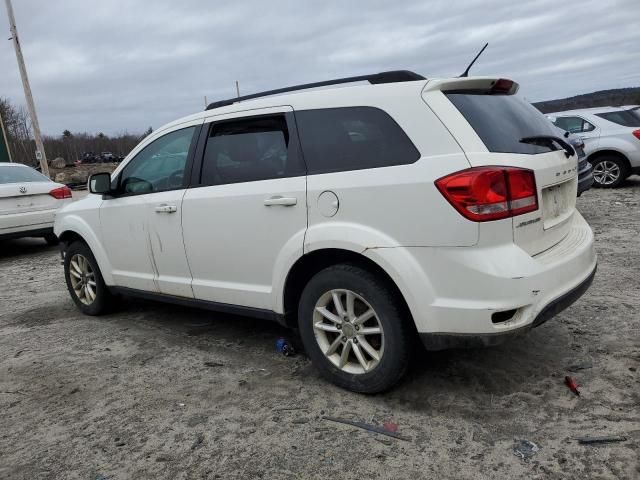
(28, 202)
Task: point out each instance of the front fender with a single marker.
(75, 223)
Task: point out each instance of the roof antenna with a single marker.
(466, 72)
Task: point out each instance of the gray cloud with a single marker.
(121, 65)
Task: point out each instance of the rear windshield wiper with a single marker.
(550, 139)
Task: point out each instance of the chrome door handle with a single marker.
(284, 201)
(166, 209)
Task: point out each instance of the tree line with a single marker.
(69, 145)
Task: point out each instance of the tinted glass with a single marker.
(19, 174)
(249, 150)
(573, 124)
(352, 138)
(160, 165)
(501, 121)
(626, 118)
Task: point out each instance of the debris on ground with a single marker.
(594, 440)
(571, 383)
(197, 443)
(284, 347)
(370, 428)
(390, 426)
(525, 449)
(213, 364)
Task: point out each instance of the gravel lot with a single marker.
(157, 391)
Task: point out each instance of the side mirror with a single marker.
(100, 183)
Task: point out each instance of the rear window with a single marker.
(352, 138)
(501, 121)
(16, 174)
(626, 118)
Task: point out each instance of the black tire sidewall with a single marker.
(100, 304)
(390, 313)
(621, 165)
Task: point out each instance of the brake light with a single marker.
(490, 193)
(60, 193)
(636, 133)
(502, 85)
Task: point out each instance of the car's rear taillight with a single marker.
(60, 193)
(636, 133)
(490, 193)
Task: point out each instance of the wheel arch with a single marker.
(313, 262)
(76, 229)
(609, 153)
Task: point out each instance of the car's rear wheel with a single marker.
(354, 329)
(609, 172)
(84, 280)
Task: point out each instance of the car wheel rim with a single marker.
(606, 172)
(348, 331)
(83, 279)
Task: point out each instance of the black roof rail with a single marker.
(376, 78)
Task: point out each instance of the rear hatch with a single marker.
(496, 127)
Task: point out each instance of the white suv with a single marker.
(611, 138)
(362, 215)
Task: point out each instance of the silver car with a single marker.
(612, 140)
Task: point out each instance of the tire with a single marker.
(393, 345)
(609, 171)
(102, 300)
(51, 239)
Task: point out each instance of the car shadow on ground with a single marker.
(536, 359)
(24, 246)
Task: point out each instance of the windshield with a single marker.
(626, 118)
(502, 121)
(20, 174)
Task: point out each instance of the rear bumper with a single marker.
(16, 223)
(483, 294)
(585, 178)
(437, 341)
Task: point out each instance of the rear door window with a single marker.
(502, 121)
(250, 149)
(626, 118)
(352, 138)
(574, 124)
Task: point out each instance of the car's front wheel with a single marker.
(609, 172)
(354, 329)
(84, 280)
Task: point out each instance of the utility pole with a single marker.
(237, 89)
(40, 155)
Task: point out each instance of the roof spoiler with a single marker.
(393, 76)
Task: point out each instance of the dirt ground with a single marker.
(157, 391)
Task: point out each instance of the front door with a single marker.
(249, 210)
(142, 224)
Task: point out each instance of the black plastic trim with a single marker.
(445, 341)
(202, 304)
(376, 78)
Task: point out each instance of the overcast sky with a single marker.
(123, 65)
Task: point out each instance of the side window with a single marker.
(352, 138)
(250, 149)
(574, 124)
(160, 165)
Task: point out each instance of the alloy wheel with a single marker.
(606, 172)
(83, 279)
(348, 331)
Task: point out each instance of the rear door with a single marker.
(246, 211)
(501, 128)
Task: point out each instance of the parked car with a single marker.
(29, 202)
(612, 140)
(107, 157)
(364, 216)
(585, 175)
